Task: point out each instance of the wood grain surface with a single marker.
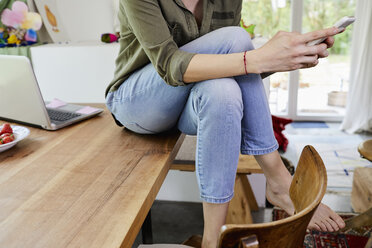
(247, 165)
(361, 194)
(87, 185)
(239, 211)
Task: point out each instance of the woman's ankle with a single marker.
(214, 219)
(208, 242)
(279, 196)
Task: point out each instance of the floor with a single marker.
(339, 153)
(174, 222)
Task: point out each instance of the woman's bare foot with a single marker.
(277, 193)
(279, 196)
(324, 218)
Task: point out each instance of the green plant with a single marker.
(321, 14)
(267, 21)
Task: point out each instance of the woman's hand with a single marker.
(289, 51)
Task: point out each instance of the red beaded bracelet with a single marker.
(245, 63)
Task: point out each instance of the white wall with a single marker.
(86, 20)
(74, 72)
(78, 20)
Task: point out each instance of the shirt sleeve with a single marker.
(238, 14)
(151, 30)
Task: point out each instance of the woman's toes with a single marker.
(334, 225)
(328, 225)
(329, 214)
(339, 221)
(322, 226)
(317, 227)
(312, 226)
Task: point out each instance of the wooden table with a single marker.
(87, 185)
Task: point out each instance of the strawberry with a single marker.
(5, 134)
(6, 129)
(7, 139)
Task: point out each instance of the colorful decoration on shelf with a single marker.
(20, 26)
(249, 28)
(51, 19)
(110, 38)
(2, 38)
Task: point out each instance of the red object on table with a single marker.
(278, 126)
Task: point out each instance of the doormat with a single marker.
(352, 238)
(309, 124)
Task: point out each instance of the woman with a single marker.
(198, 46)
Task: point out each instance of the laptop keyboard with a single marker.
(56, 115)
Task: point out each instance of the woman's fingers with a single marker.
(318, 34)
(320, 50)
(330, 41)
(323, 54)
(288, 51)
(317, 49)
(308, 59)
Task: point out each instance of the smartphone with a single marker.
(342, 23)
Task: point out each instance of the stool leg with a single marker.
(243, 202)
(147, 230)
(249, 192)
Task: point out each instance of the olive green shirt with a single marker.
(153, 30)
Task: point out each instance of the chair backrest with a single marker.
(307, 190)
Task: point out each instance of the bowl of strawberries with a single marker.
(11, 135)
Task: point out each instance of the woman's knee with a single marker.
(220, 97)
(240, 39)
(221, 41)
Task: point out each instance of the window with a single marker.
(293, 94)
(328, 82)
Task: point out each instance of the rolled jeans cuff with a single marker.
(216, 200)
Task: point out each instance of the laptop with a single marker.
(21, 100)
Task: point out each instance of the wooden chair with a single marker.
(307, 190)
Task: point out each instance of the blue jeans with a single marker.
(228, 115)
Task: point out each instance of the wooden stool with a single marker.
(361, 194)
(365, 149)
(244, 201)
